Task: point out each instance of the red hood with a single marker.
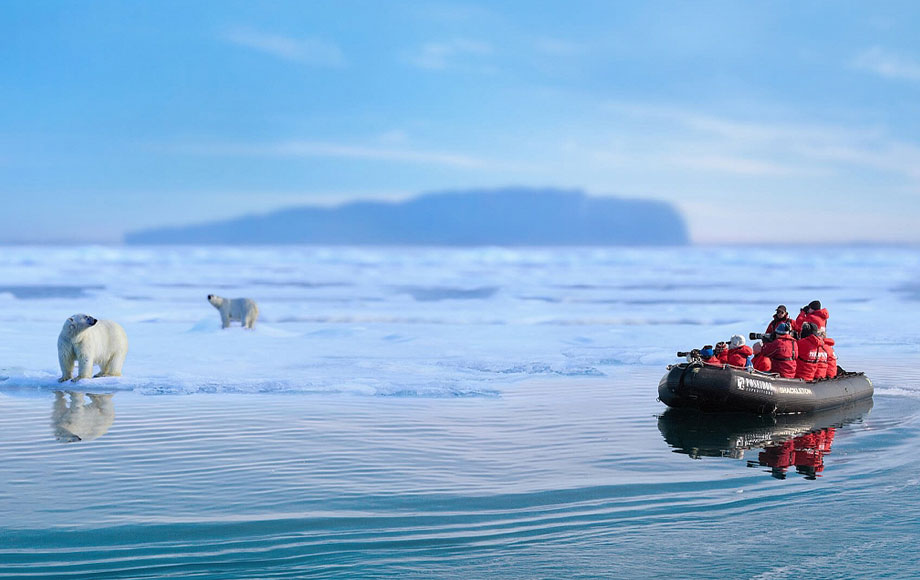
(822, 314)
(813, 338)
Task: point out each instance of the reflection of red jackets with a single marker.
(737, 357)
(810, 449)
(811, 351)
(781, 455)
(782, 353)
(828, 439)
(831, 358)
(817, 317)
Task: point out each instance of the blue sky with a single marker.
(759, 120)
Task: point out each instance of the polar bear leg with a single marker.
(66, 360)
(225, 318)
(250, 317)
(113, 365)
(86, 368)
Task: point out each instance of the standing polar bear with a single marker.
(91, 342)
(242, 309)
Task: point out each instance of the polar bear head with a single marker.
(215, 300)
(78, 323)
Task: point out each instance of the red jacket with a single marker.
(737, 357)
(821, 369)
(762, 363)
(713, 360)
(771, 328)
(811, 352)
(831, 358)
(782, 354)
(817, 317)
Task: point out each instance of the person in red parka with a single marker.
(707, 355)
(738, 352)
(821, 368)
(781, 316)
(721, 352)
(831, 356)
(812, 313)
(811, 351)
(760, 362)
(782, 352)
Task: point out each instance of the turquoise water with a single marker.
(448, 413)
(557, 478)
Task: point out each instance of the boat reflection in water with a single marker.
(787, 441)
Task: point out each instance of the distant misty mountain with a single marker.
(511, 217)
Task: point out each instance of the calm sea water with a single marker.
(431, 413)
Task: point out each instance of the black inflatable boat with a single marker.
(711, 388)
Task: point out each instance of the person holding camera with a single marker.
(708, 355)
(782, 351)
(780, 317)
(814, 314)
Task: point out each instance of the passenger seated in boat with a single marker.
(760, 362)
(781, 352)
(738, 352)
(810, 353)
(814, 314)
(708, 355)
(721, 352)
(831, 355)
(781, 316)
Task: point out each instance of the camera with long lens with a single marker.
(690, 355)
(767, 337)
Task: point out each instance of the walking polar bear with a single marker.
(91, 342)
(242, 309)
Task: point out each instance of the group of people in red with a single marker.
(797, 348)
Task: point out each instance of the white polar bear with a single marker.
(242, 309)
(81, 421)
(91, 342)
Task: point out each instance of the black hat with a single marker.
(815, 305)
(808, 329)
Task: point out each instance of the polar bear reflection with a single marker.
(81, 421)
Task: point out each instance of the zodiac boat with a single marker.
(713, 388)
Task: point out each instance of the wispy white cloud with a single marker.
(709, 143)
(559, 48)
(311, 51)
(888, 65)
(732, 164)
(306, 149)
(447, 54)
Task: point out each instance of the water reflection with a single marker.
(81, 420)
(787, 441)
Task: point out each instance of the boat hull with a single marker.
(712, 388)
